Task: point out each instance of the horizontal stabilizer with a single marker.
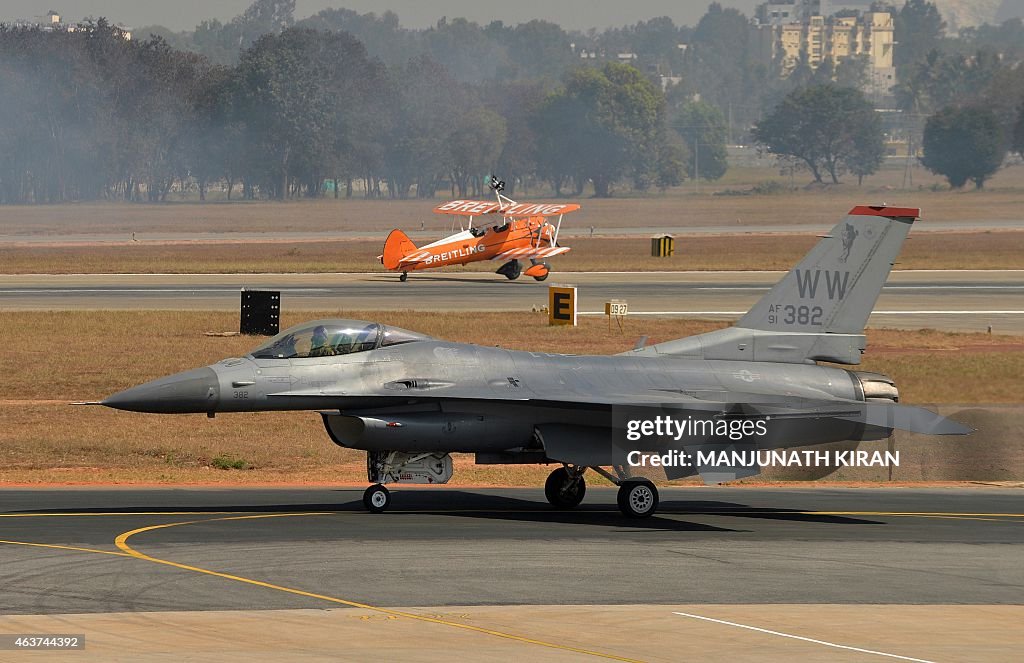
(910, 418)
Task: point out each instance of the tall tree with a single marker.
(720, 64)
(919, 28)
(703, 128)
(475, 146)
(418, 126)
(1018, 131)
(607, 124)
(963, 144)
(297, 95)
(825, 128)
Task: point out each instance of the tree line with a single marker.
(349, 104)
(89, 115)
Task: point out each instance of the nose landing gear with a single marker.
(377, 498)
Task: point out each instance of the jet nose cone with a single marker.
(192, 391)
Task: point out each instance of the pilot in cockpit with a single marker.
(318, 345)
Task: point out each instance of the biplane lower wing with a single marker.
(535, 252)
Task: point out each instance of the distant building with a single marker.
(789, 31)
(52, 22)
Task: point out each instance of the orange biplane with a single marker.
(522, 233)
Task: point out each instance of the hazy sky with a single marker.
(185, 14)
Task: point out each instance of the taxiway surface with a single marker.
(940, 299)
(506, 546)
(719, 574)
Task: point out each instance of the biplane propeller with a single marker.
(521, 231)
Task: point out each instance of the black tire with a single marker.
(404, 277)
(563, 492)
(638, 499)
(512, 276)
(543, 278)
(377, 498)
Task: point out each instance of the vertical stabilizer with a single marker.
(836, 285)
(396, 246)
(818, 310)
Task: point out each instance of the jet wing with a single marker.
(748, 406)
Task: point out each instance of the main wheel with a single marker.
(377, 498)
(404, 277)
(564, 491)
(638, 499)
(510, 270)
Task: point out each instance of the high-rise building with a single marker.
(790, 31)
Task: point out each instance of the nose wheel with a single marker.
(638, 499)
(377, 498)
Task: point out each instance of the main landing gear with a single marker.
(565, 488)
(404, 277)
(510, 270)
(513, 270)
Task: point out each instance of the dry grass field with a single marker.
(678, 208)
(953, 250)
(52, 358)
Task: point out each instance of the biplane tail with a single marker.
(396, 247)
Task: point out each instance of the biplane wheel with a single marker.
(510, 270)
(544, 271)
(564, 491)
(404, 277)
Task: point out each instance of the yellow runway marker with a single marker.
(73, 514)
(122, 542)
(59, 547)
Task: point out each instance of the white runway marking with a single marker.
(153, 290)
(799, 637)
(692, 272)
(1021, 312)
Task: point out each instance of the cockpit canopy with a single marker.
(328, 338)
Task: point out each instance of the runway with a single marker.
(940, 299)
(482, 557)
(570, 231)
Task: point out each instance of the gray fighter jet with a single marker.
(410, 400)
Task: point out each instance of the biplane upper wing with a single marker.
(516, 210)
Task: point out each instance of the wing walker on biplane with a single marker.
(523, 233)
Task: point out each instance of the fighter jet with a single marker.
(410, 400)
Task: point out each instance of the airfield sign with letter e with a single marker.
(562, 305)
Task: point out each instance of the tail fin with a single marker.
(818, 310)
(835, 287)
(396, 246)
